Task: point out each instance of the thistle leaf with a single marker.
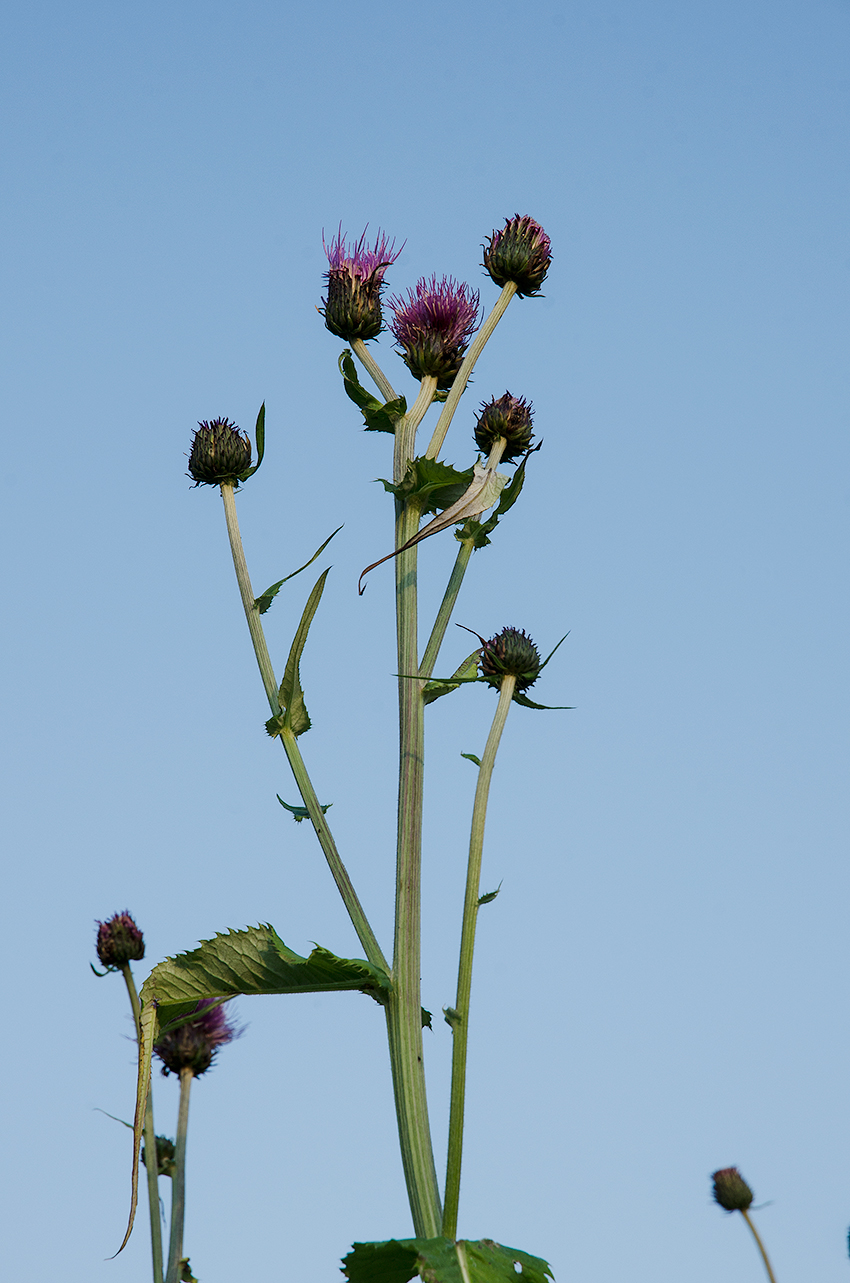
(434, 689)
(377, 417)
(432, 484)
(470, 757)
(300, 813)
(489, 896)
(260, 437)
(295, 716)
(439, 1260)
(265, 599)
(479, 531)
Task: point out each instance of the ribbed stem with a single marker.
(447, 605)
(178, 1180)
(151, 1159)
(760, 1246)
(404, 1008)
(369, 363)
(476, 347)
(460, 1016)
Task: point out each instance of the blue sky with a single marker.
(661, 987)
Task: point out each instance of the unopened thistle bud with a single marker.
(195, 1045)
(731, 1191)
(510, 652)
(220, 453)
(509, 417)
(433, 326)
(164, 1156)
(355, 279)
(520, 252)
(119, 941)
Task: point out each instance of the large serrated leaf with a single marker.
(266, 598)
(433, 484)
(439, 1260)
(377, 417)
(479, 531)
(295, 716)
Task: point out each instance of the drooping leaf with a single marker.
(147, 1037)
(265, 599)
(260, 437)
(479, 531)
(295, 716)
(439, 1260)
(549, 708)
(300, 813)
(377, 417)
(434, 689)
(470, 757)
(433, 484)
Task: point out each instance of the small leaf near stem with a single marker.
(460, 1027)
(178, 1191)
(150, 1141)
(760, 1246)
(369, 363)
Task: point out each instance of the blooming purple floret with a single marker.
(195, 1045)
(119, 941)
(355, 277)
(520, 252)
(433, 326)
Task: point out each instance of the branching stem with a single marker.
(369, 363)
(151, 1157)
(460, 1016)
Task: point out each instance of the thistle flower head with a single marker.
(119, 941)
(165, 1151)
(508, 417)
(519, 252)
(355, 277)
(510, 652)
(433, 326)
(731, 1191)
(195, 1044)
(220, 453)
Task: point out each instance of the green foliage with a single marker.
(377, 417)
(434, 689)
(300, 813)
(439, 1260)
(470, 757)
(432, 484)
(260, 436)
(489, 896)
(479, 531)
(294, 716)
(265, 599)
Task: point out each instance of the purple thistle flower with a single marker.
(355, 277)
(119, 941)
(433, 326)
(521, 252)
(195, 1044)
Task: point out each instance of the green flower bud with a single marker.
(510, 652)
(731, 1191)
(165, 1152)
(119, 941)
(521, 252)
(220, 454)
(509, 417)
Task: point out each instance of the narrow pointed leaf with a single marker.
(147, 1022)
(550, 708)
(265, 599)
(470, 757)
(434, 689)
(489, 896)
(260, 437)
(439, 1260)
(300, 813)
(291, 695)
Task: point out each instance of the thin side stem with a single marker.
(760, 1245)
(441, 623)
(369, 363)
(460, 1016)
(178, 1181)
(365, 934)
(151, 1158)
(404, 1008)
(476, 347)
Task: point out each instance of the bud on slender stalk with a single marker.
(520, 252)
(119, 941)
(355, 277)
(510, 652)
(195, 1044)
(433, 326)
(508, 417)
(731, 1191)
(220, 454)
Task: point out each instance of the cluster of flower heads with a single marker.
(119, 941)
(194, 1045)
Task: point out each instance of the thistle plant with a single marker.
(733, 1194)
(439, 335)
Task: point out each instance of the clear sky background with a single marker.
(662, 986)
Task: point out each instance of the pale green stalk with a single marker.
(760, 1246)
(369, 363)
(178, 1180)
(151, 1158)
(404, 1008)
(459, 1018)
(476, 347)
(338, 870)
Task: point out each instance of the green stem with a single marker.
(380, 380)
(404, 1008)
(151, 1157)
(441, 623)
(460, 1016)
(760, 1245)
(308, 794)
(178, 1181)
(476, 347)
